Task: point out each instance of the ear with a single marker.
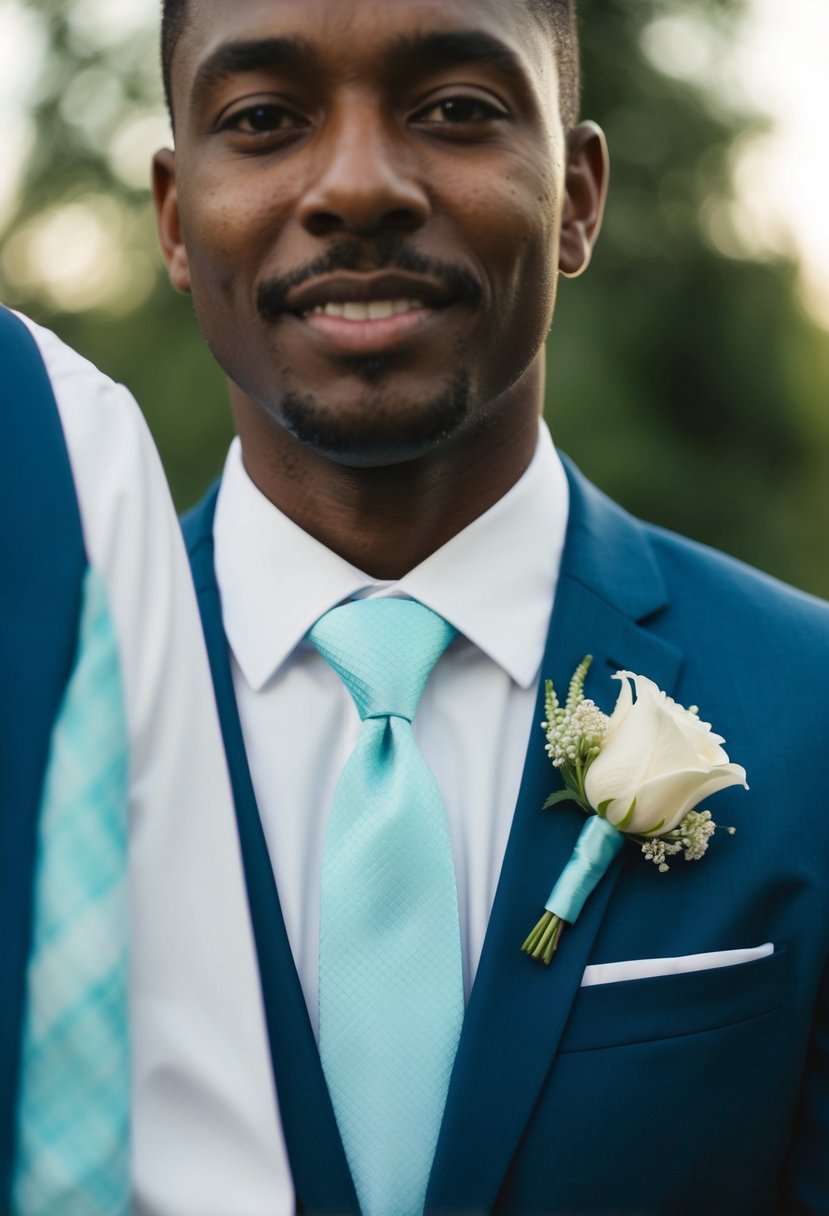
(165, 196)
(585, 192)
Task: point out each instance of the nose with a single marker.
(363, 181)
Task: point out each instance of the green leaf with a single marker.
(625, 823)
(601, 809)
(560, 796)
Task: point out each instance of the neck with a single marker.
(387, 520)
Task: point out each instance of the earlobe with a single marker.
(165, 196)
(585, 192)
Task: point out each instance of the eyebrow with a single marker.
(234, 58)
(413, 53)
(409, 53)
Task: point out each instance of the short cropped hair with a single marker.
(560, 15)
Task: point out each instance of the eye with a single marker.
(461, 109)
(262, 119)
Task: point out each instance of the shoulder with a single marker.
(733, 599)
(101, 420)
(118, 477)
(755, 659)
(130, 528)
(694, 589)
(118, 481)
(126, 509)
(753, 652)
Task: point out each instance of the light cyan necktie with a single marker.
(72, 1154)
(391, 983)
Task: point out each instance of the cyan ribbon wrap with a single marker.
(597, 845)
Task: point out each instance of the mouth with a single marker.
(367, 314)
(358, 310)
(366, 297)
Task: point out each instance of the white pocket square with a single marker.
(646, 968)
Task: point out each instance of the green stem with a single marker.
(543, 941)
(537, 933)
(549, 943)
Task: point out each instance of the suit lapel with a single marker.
(518, 1008)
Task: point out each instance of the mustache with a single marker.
(392, 253)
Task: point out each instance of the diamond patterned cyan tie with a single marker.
(73, 1112)
(391, 983)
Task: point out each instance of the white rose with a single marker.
(657, 761)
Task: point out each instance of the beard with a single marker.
(379, 434)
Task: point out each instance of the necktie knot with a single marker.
(383, 651)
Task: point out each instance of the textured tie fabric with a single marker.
(391, 984)
(73, 1113)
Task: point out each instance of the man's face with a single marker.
(366, 204)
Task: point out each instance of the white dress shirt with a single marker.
(206, 1135)
(495, 582)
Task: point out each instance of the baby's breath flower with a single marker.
(658, 849)
(696, 830)
(589, 724)
(575, 736)
(690, 836)
(575, 730)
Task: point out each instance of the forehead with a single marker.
(359, 36)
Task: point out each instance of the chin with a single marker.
(382, 432)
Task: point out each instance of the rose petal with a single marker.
(647, 743)
(700, 734)
(659, 754)
(624, 703)
(706, 740)
(670, 797)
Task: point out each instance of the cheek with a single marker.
(216, 237)
(524, 235)
(220, 232)
(518, 230)
(228, 228)
(528, 253)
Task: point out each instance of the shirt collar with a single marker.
(495, 581)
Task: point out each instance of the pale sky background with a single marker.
(780, 175)
(780, 68)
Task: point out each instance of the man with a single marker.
(371, 205)
(118, 855)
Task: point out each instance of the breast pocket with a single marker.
(660, 1007)
(681, 1087)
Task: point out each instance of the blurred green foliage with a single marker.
(690, 386)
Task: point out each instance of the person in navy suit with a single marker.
(371, 205)
(109, 745)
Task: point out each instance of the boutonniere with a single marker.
(638, 774)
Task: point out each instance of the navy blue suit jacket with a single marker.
(700, 1092)
(42, 560)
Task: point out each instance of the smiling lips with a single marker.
(358, 310)
(366, 314)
